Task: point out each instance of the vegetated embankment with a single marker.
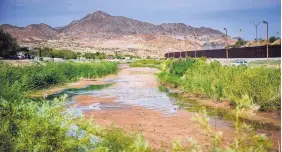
(239, 85)
(39, 125)
(211, 82)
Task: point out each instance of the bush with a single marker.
(147, 63)
(273, 39)
(96, 55)
(179, 67)
(259, 85)
(28, 125)
(239, 43)
(18, 79)
(244, 139)
(40, 125)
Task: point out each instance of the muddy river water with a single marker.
(133, 101)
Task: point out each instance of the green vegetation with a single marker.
(245, 139)
(28, 125)
(65, 54)
(17, 80)
(90, 88)
(68, 54)
(41, 125)
(131, 56)
(250, 86)
(147, 63)
(273, 39)
(8, 45)
(260, 62)
(96, 55)
(239, 43)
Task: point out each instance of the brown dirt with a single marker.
(159, 130)
(19, 62)
(84, 100)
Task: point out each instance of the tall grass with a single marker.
(244, 138)
(17, 80)
(258, 85)
(28, 125)
(146, 63)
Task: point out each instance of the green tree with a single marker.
(272, 39)
(89, 55)
(239, 43)
(8, 45)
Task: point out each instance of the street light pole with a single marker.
(167, 54)
(256, 25)
(265, 22)
(226, 45)
(195, 45)
(207, 42)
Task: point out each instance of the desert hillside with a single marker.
(102, 32)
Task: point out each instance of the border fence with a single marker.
(245, 52)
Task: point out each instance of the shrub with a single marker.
(245, 138)
(17, 80)
(146, 63)
(28, 125)
(260, 85)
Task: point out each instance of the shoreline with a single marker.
(265, 118)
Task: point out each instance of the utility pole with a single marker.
(265, 22)
(240, 34)
(226, 45)
(195, 44)
(256, 25)
(168, 54)
(207, 42)
(240, 37)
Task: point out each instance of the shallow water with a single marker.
(89, 90)
(139, 87)
(135, 87)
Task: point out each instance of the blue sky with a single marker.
(217, 14)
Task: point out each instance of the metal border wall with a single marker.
(246, 52)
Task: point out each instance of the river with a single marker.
(132, 100)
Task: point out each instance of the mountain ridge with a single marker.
(100, 31)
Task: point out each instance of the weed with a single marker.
(17, 80)
(250, 86)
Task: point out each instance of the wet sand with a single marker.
(158, 129)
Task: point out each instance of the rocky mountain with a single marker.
(33, 32)
(101, 22)
(100, 31)
(67, 26)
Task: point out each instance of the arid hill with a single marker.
(100, 31)
(31, 33)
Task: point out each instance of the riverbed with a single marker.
(132, 100)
